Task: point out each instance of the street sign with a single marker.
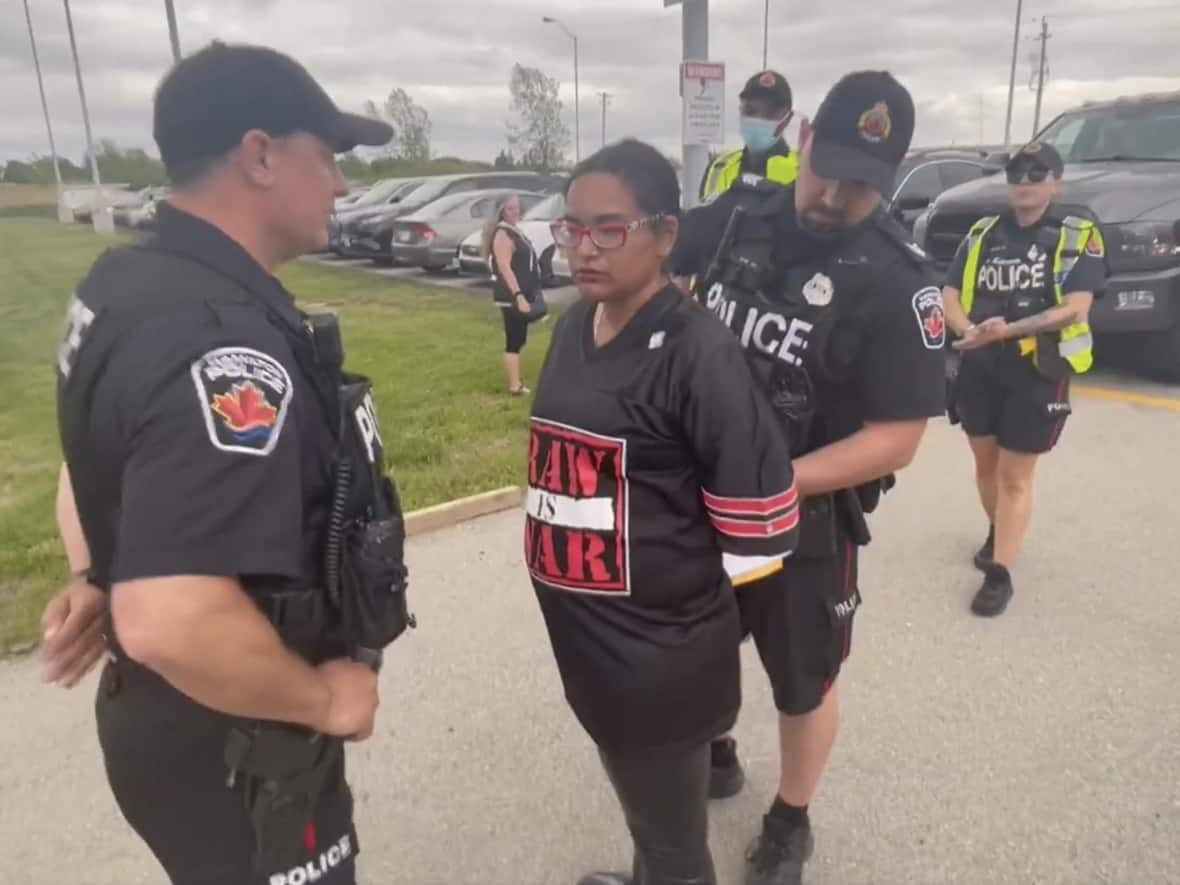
(702, 87)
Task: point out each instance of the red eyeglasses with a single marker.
(568, 235)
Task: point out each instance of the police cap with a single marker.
(862, 130)
(210, 99)
(770, 85)
(1037, 153)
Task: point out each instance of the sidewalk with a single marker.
(1042, 747)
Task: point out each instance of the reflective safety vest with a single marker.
(726, 169)
(1075, 343)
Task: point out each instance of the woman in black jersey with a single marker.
(659, 477)
(515, 282)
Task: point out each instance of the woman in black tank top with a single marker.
(515, 282)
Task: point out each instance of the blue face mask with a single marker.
(758, 134)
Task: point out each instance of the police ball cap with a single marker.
(770, 85)
(210, 99)
(862, 130)
(1037, 153)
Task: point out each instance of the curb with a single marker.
(449, 513)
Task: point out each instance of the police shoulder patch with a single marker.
(244, 395)
(928, 309)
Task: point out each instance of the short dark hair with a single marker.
(648, 174)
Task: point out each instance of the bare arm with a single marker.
(956, 318)
(1075, 309)
(872, 452)
(68, 525)
(207, 638)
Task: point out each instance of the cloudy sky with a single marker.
(454, 57)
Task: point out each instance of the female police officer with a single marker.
(655, 466)
(1019, 293)
(200, 457)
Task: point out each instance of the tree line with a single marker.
(536, 136)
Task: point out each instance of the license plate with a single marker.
(403, 236)
(1140, 299)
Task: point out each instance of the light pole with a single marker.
(173, 33)
(61, 207)
(101, 218)
(765, 34)
(549, 20)
(605, 99)
(1012, 76)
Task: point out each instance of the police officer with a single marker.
(766, 110)
(841, 319)
(222, 489)
(1019, 293)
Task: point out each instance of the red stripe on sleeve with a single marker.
(742, 528)
(751, 506)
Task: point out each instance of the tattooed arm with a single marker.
(1075, 309)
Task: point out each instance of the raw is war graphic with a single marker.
(576, 526)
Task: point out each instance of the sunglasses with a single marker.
(568, 235)
(1035, 174)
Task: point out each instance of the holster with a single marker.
(283, 772)
(826, 520)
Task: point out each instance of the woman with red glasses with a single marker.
(658, 478)
(1018, 294)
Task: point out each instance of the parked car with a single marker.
(372, 237)
(926, 173)
(430, 237)
(534, 224)
(376, 200)
(1122, 170)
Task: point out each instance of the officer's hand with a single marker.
(71, 630)
(353, 705)
(988, 332)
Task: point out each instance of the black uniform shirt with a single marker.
(650, 458)
(1015, 280)
(195, 443)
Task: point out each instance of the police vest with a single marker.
(1075, 343)
(727, 168)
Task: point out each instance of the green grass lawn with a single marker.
(435, 358)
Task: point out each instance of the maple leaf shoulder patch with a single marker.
(927, 305)
(244, 395)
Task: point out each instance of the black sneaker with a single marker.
(777, 856)
(605, 879)
(995, 594)
(726, 777)
(983, 556)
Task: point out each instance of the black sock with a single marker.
(789, 814)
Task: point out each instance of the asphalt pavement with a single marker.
(1040, 747)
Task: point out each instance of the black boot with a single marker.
(777, 856)
(983, 556)
(995, 594)
(726, 776)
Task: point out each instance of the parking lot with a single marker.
(1039, 747)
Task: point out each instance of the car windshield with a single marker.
(378, 193)
(1140, 131)
(426, 192)
(549, 209)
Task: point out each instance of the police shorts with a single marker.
(801, 621)
(164, 758)
(1024, 411)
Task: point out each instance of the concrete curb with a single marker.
(449, 513)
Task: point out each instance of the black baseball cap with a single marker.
(770, 85)
(863, 129)
(1037, 153)
(210, 99)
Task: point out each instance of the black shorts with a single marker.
(164, 758)
(801, 622)
(1024, 411)
(516, 329)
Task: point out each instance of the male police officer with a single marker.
(841, 318)
(227, 479)
(766, 110)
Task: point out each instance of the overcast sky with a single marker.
(454, 57)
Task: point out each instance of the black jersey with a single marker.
(655, 465)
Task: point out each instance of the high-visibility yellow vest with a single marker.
(726, 169)
(1075, 343)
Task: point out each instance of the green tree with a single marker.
(536, 134)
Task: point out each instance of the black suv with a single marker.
(1122, 170)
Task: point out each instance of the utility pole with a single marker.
(172, 31)
(1044, 39)
(605, 98)
(100, 216)
(981, 118)
(765, 34)
(62, 214)
(550, 20)
(1012, 76)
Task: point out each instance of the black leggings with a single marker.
(516, 329)
(665, 801)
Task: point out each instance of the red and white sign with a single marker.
(702, 89)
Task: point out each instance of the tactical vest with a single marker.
(727, 168)
(1074, 343)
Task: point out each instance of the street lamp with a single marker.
(173, 33)
(549, 20)
(62, 214)
(102, 219)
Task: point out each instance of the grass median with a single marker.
(449, 428)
